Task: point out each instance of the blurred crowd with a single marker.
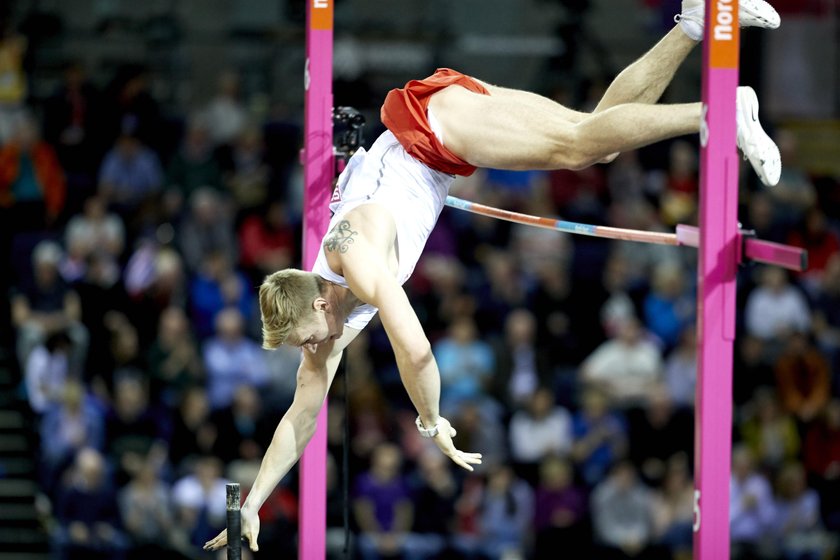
(137, 239)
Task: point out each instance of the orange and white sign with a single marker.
(321, 14)
(725, 34)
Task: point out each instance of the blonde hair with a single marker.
(286, 297)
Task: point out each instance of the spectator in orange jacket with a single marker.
(31, 179)
(802, 377)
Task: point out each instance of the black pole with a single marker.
(234, 523)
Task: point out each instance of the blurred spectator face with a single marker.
(688, 339)
(676, 476)
(445, 274)
(147, 474)
(230, 325)
(173, 325)
(500, 269)
(463, 331)
(207, 471)
(250, 141)
(788, 146)
(133, 87)
(751, 349)
(246, 402)
(624, 476)
(555, 473)
(229, 84)
(668, 280)
(767, 406)
(275, 217)
(129, 399)
(815, 222)
(791, 481)
(433, 465)
(616, 274)
(124, 342)
(797, 343)
(831, 275)
(774, 279)
(45, 261)
(128, 147)
(520, 327)
(89, 468)
(205, 207)
(232, 288)
(73, 396)
(195, 407)
(832, 414)
(197, 140)
(74, 76)
(499, 480)
(742, 463)
(594, 403)
(78, 248)
(26, 134)
(541, 403)
(660, 407)
(95, 208)
(385, 462)
(683, 159)
(554, 279)
(469, 418)
(168, 271)
(630, 332)
(761, 210)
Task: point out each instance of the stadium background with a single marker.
(149, 179)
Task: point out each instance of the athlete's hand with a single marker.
(444, 441)
(250, 531)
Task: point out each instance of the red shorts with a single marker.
(404, 113)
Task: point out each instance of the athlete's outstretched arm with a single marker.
(370, 280)
(314, 377)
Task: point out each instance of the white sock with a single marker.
(691, 24)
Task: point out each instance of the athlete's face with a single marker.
(321, 326)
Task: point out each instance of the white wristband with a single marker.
(427, 432)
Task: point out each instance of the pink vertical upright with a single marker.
(318, 169)
(718, 260)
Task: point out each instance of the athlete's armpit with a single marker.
(340, 237)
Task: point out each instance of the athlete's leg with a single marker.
(646, 79)
(641, 82)
(537, 101)
(503, 132)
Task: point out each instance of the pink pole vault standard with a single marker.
(318, 175)
(719, 255)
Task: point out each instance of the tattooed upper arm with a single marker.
(340, 237)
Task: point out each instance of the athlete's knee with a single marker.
(584, 150)
(563, 149)
(573, 154)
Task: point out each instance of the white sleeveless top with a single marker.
(413, 193)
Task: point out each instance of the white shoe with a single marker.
(751, 13)
(755, 144)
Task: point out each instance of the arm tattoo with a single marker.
(340, 237)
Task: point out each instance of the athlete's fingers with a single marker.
(252, 543)
(216, 543)
(461, 463)
(474, 458)
(250, 532)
